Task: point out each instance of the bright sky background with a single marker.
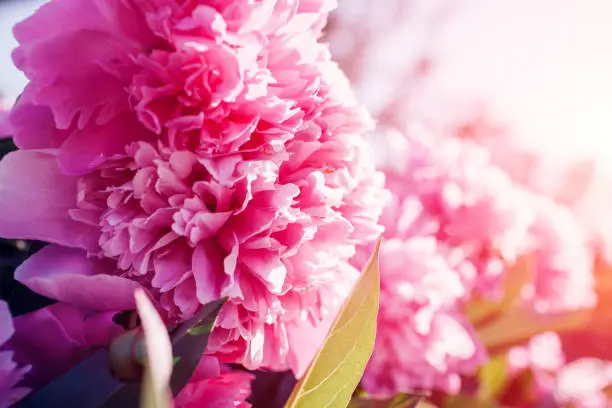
(545, 65)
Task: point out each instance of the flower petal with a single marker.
(32, 126)
(6, 323)
(68, 275)
(55, 338)
(85, 149)
(36, 199)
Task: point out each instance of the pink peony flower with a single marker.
(542, 352)
(564, 245)
(11, 373)
(422, 342)
(581, 383)
(563, 278)
(215, 386)
(448, 189)
(197, 149)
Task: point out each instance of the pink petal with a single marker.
(36, 198)
(6, 323)
(42, 341)
(58, 17)
(268, 267)
(32, 126)
(85, 149)
(68, 275)
(207, 263)
(57, 337)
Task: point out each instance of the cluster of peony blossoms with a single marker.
(454, 223)
(199, 150)
(455, 226)
(468, 202)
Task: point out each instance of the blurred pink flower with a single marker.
(448, 189)
(454, 223)
(579, 384)
(564, 244)
(199, 150)
(564, 261)
(564, 196)
(215, 386)
(542, 352)
(11, 373)
(422, 342)
(582, 384)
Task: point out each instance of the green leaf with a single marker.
(201, 329)
(493, 378)
(189, 342)
(337, 368)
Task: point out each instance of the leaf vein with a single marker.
(348, 355)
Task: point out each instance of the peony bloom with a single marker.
(563, 278)
(581, 383)
(10, 372)
(454, 222)
(422, 341)
(197, 149)
(215, 386)
(449, 190)
(543, 352)
(564, 245)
